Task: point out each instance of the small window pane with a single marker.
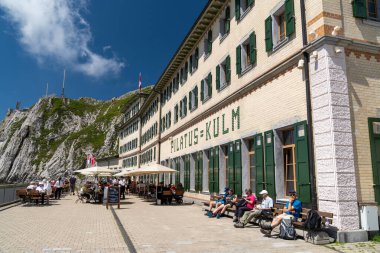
(376, 127)
(269, 138)
(301, 131)
(258, 141)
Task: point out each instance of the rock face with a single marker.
(51, 138)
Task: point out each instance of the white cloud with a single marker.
(55, 30)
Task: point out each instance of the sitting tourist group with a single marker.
(249, 209)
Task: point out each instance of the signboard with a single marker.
(113, 196)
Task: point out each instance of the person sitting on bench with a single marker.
(220, 201)
(292, 210)
(230, 201)
(249, 204)
(266, 205)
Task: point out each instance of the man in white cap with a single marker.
(266, 205)
(47, 188)
(40, 189)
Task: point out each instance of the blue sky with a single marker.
(102, 44)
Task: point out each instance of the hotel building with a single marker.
(278, 95)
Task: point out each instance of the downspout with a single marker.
(306, 59)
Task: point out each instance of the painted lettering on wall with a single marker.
(211, 130)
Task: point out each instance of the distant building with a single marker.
(266, 95)
(111, 162)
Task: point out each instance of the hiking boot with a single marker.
(218, 216)
(239, 225)
(266, 232)
(211, 215)
(235, 219)
(207, 213)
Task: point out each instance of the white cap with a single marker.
(264, 192)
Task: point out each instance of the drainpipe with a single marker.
(306, 59)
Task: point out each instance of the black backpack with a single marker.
(313, 220)
(287, 230)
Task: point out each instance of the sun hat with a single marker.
(264, 192)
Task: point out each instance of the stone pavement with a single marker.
(61, 227)
(68, 227)
(185, 229)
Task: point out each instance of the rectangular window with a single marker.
(223, 74)
(176, 113)
(208, 44)
(206, 88)
(373, 8)
(246, 54)
(193, 98)
(225, 23)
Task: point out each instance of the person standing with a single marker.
(58, 188)
(47, 188)
(122, 187)
(72, 184)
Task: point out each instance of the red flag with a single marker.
(140, 82)
(93, 160)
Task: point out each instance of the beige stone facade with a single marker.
(287, 108)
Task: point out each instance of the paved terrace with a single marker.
(68, 227)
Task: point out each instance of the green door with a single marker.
(269, 164)
(187, 173)
(198, 171)
(214, 170)
(302, 162)
(234, 168)
(259, 163)
(374, 137)
(178, 173)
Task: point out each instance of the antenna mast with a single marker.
(63, 84)
(47, 89)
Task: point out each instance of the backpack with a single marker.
(287, 230)
(313, 220)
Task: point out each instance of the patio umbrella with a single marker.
(95, 170)
(151, 169)
(124, 172)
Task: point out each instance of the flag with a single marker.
(140, 82)
(93, 160)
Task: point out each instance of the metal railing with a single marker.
(8, 193)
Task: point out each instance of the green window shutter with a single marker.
(196, 97)
(202, 90)
(289, 16)
(228, 69)
(186, 70)
(251, 2)
(216, 169)
(259, 162)
(268, 34)
(252, 47)
(375, 157)
(191, 64)
(209, 42)
(190, 96)
(196, 174)
(217, 78)
(230, 166)
(180, 108)
(269, 164)
(196, 55)
(209, 84)
(238, 168)
(238, 60)
(185, 104)
(227, 20)
(359, 8)
(237, 9)
(302, 163)
(211, 171)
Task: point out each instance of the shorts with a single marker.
(219, 201)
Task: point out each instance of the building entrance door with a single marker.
(374, 136)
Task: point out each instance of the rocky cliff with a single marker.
(51, 138)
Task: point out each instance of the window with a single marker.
(366, 9)
(279, 26)
(252, 165)
(225, 23)
(176, 113)
(208, 44)
(206, 88)
(183, 107)
(193, 61)
(193, 99)
(246, 54)
(223, 74)
(242, 7)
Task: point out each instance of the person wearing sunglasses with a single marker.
(292, 210)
